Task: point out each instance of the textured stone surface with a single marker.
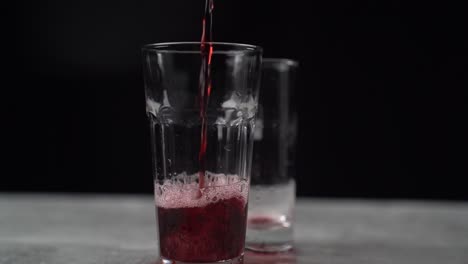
(53, 229)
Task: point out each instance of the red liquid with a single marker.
(205, 84)
(207, 229)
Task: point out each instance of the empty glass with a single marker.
(273, 187)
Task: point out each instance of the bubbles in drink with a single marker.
(181, 190)
(206, 228)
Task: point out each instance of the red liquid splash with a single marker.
(205, 85)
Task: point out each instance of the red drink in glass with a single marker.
(202, 228)
(201, 120)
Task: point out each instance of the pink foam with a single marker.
(173, 194)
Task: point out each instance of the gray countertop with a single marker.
(53, 229)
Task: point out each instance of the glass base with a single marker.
(262, 247)
(237, 260)
(269, 236)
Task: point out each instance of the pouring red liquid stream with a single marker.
(206, 50)
(202, 229)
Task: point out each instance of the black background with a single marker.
(381, 98)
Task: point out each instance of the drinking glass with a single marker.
(272, 188)
(201, 140)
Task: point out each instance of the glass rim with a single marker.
(274, 62)
(193, 47)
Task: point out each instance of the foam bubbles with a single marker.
(183, 190)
